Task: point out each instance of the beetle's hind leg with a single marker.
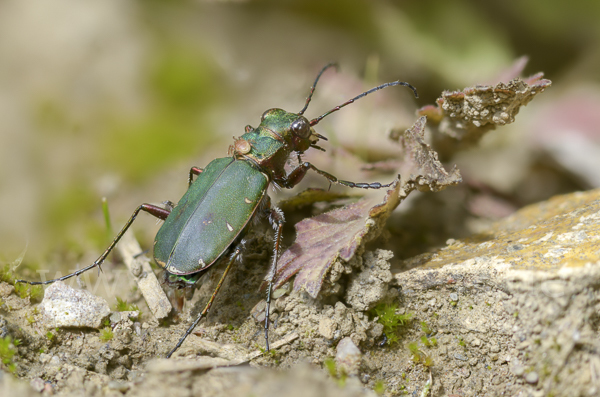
(158, 212)
(204, 312)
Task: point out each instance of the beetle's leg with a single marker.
(193, 171)
(158, 212)
(277, 220)
(232, 259)
(298, 173)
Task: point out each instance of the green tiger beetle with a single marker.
(208, 224)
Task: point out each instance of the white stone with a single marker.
(64, 306)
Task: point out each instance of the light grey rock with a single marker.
(64, 306)
(348, 356)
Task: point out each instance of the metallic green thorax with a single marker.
(210, 216)
(272, 142)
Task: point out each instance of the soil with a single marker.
(513, 311)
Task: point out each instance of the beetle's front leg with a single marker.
(298, 173)
(276, 219)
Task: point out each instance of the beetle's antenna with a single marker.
(312, 89)
(348, 102)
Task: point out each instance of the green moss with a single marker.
(34, 292)
(390, 320)
(413, 347)
(329, 364)
(418, 357)
(7, 275)
(425, 341)
(106, 334)
(123, 306)
(425, 328)
(7, 352)
(339, 375)
(22, 290)
(379, 387)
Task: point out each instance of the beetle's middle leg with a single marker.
(158, 212)
(193, 171)
(298, 173)
(204, 312)
(277, 219)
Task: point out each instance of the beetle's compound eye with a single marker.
(301, 128)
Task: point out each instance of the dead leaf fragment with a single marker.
(420, 164)
(463, 117)
(325, 238)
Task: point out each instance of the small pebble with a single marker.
(460, 357)
(278, 293)
(348, 356)
(48, 389)
(454, 297)
(532, 377)
(518, 370)
(115, 317)
(37, 384)
(119, 386)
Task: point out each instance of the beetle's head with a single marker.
(294, 128)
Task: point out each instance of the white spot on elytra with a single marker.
(201, 263)
(229, 227)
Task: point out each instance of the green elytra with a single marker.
(209, 221)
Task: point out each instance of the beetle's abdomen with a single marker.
(210, 216)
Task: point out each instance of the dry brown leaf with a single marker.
(463, 117)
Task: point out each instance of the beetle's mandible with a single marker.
(209, 222)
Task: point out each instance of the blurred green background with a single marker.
(118, 98)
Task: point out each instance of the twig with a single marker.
(139, 266)
(276, 345)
